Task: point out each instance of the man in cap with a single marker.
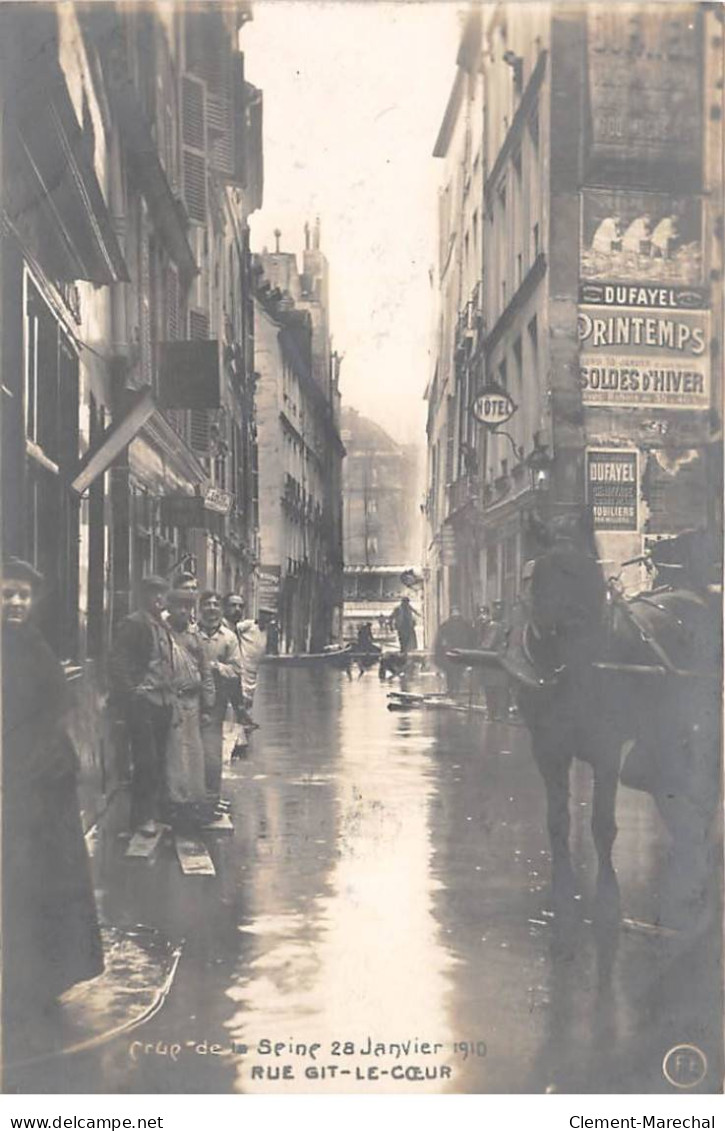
(223, 655)
(141, 668)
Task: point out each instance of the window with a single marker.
(475, 231)
(519, 269)
(52, 517)
(502, 374)
(536, 240)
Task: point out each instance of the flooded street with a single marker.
(382, 915)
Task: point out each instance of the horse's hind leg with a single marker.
(554, 768)
(604, 822)
(607, 911)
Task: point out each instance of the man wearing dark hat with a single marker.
(142, 675)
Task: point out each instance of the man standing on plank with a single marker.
(142, 672)
(223, 655)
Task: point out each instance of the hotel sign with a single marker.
(635, 358)
(493, 406)
(612, 488)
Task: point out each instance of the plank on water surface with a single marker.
(193, 856)
(142, 847)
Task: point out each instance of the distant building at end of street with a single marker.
(300, 449)
(381, 522)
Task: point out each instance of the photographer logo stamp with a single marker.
(685, 1066)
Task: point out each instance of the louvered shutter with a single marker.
(219, 115)
(176, 417)
(193, 136)
(199, 418)
(199, 432)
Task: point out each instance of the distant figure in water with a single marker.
(365, 641)
(403, 620)
(51, 938)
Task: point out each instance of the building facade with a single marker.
(601, 287)
(300, 448)
(381, 521)
(132, 158)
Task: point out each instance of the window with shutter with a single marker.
(199, 419)
(144, 299)
(198, 325)
(172, 303)
(199, 430)
(193, 134)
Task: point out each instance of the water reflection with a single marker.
(362, 962)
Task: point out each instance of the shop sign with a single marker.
(612, 488)
(217, 500)
(268, 580)
(189, 375)
(493, 406)
(650, 239)
(186, 511)
(634, 358)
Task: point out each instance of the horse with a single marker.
(599, 675)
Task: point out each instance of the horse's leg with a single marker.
(604, 822)
(607, 910)
(554, 768)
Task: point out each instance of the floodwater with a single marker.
(381, 921)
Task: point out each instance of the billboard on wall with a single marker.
(644, 79)
(268, 584)
(632, 358)
(612, 488)
(651, 239)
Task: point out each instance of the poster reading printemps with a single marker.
(361, 515)
(633, 357)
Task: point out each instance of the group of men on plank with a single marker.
(173, 678)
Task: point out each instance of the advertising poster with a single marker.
(644, 84)
(635, 358)
(612, 488)
(643, 237)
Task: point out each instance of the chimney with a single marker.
(277, 236)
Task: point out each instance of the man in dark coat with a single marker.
(141, 669)
(403, 620)
(455, 632)
(51, 938)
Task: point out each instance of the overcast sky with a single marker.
(354, 94)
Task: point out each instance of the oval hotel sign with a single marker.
(493, 406)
